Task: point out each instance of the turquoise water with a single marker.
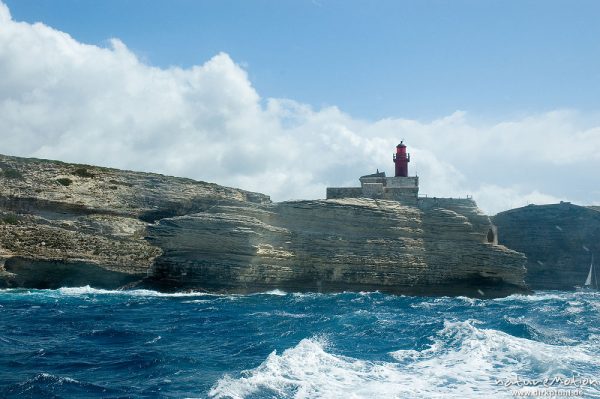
(87, 343)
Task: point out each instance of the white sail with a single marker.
(588, 280)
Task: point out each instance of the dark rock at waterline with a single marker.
(557, 239)
(45, 274)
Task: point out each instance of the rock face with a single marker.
(88, 224)
(558, 240)
(336, 245)
(64, 224)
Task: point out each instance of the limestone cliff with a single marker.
(558, 241)
(334, 245)
(64, 224)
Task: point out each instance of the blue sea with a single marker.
(89, 343)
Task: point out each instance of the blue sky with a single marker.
(372, 59)
(498, 100)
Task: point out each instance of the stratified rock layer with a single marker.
(80, 220)
(558, 241)
(64, 224)
(336, 245)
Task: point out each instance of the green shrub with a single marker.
(12, 174)
(9, 218)
(82, 172)
(65, 181)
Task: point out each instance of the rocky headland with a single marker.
(558, 240)
(70, 225)
(65, 224)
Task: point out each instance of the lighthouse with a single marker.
(401, 187)
(401, 159)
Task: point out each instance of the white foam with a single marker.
(200, 301)
(468, 300)
(54, 378)
(279, 313)
(275, 292)
(308, 371)
(574, 309)
(154, 340)
(477, 352)
(87, 290)
(537, 297)
(464, 361)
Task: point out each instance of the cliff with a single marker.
(64, 224)
(558, 241)
(335, 245)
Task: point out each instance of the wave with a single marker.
(276, 292)
(465, 347)
(463, 361)
(308, 371)
(87, 290)
(539, 296)
(52, 379)
(279, 313)
(46, 385)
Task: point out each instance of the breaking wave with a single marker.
(94, 343)
(463, 362)
(87, 290)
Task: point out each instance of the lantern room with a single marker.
(401, 160)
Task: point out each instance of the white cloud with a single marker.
(495, 198)
(66, 100)
(4, 13)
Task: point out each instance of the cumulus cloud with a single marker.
(500, 198)
(66, 100)
(4, 13)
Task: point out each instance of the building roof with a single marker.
(378, 174)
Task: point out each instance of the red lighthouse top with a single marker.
(401, 160)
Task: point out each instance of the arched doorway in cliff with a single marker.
(490, 236)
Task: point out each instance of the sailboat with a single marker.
(591, 282)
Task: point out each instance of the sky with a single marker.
(495, 99)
